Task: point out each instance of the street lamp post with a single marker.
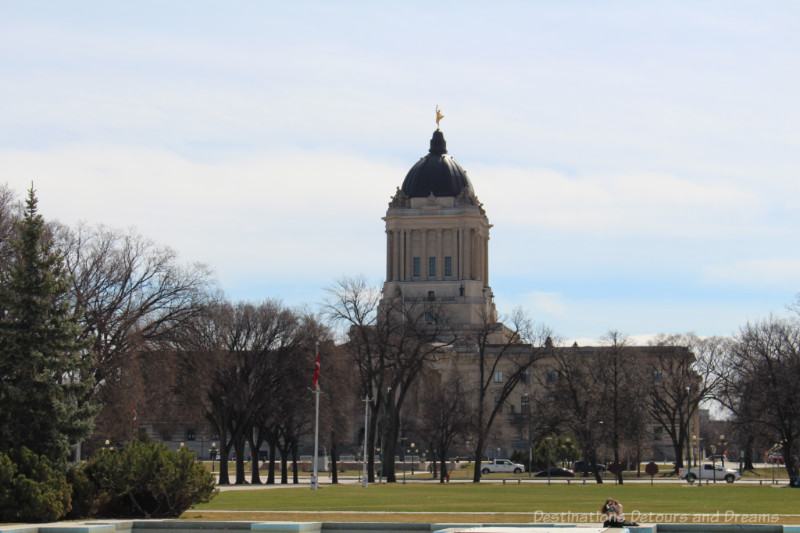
(412, 458)
(403, 442)
(741, 451)
(688, 426)
(722, 448)
(601, 459)
(365, 454)
(383, 436)
(713, 464)
(549, 440)
(527, 397)
(213, 455)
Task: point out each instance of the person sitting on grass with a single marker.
(614, 517)
(613, 510)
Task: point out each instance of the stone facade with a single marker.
(437, 251)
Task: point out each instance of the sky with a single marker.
(638, 160)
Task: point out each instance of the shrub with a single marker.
(31, 490)
(145, 479)
(521, 457)
(84, 494)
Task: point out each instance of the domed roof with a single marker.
(437, 173)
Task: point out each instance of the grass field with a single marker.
(511, 503)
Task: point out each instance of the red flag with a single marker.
(316, 370)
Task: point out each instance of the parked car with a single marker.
(555, 471)
(584, 467)
(709, 471)
(501, 465)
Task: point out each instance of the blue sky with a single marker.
(638, 160)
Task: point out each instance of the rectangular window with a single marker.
(658, 375)
(448, 266)
(526, 377)
(551, 376)
(417, 267)
(525, 404)
(498, 376)
(432, 266)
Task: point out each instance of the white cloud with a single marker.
(268, 214)
(625, 203)
(760, 272)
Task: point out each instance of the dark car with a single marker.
(555, 471)
(583, 467)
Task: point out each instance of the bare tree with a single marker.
(623, 395)
(573, 398)
(445, 415)
(685, 370)
(134, 295)
(10, 211)
(352, 303)
(511, 349)
(239, 355)
(389, 344)
(286, 415)
(338, 400)
(764, 388)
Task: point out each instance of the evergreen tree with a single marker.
(43, 364)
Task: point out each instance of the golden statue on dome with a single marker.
(439, 117)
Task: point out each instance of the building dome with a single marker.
(437, 173)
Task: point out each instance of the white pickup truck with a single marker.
(709, 471)
(501, 465)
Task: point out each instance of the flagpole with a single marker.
(315, 478)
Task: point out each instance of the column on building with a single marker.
(439, 257)
(423, 256)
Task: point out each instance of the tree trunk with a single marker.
(239, 447)
(255, 444)
(295, 474)
(271, 469)
(284, 464)
(391, 449)
(334, 460)
(374, 410)
(224, 453)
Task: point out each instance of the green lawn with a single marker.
(512, 503)
(516, 503)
